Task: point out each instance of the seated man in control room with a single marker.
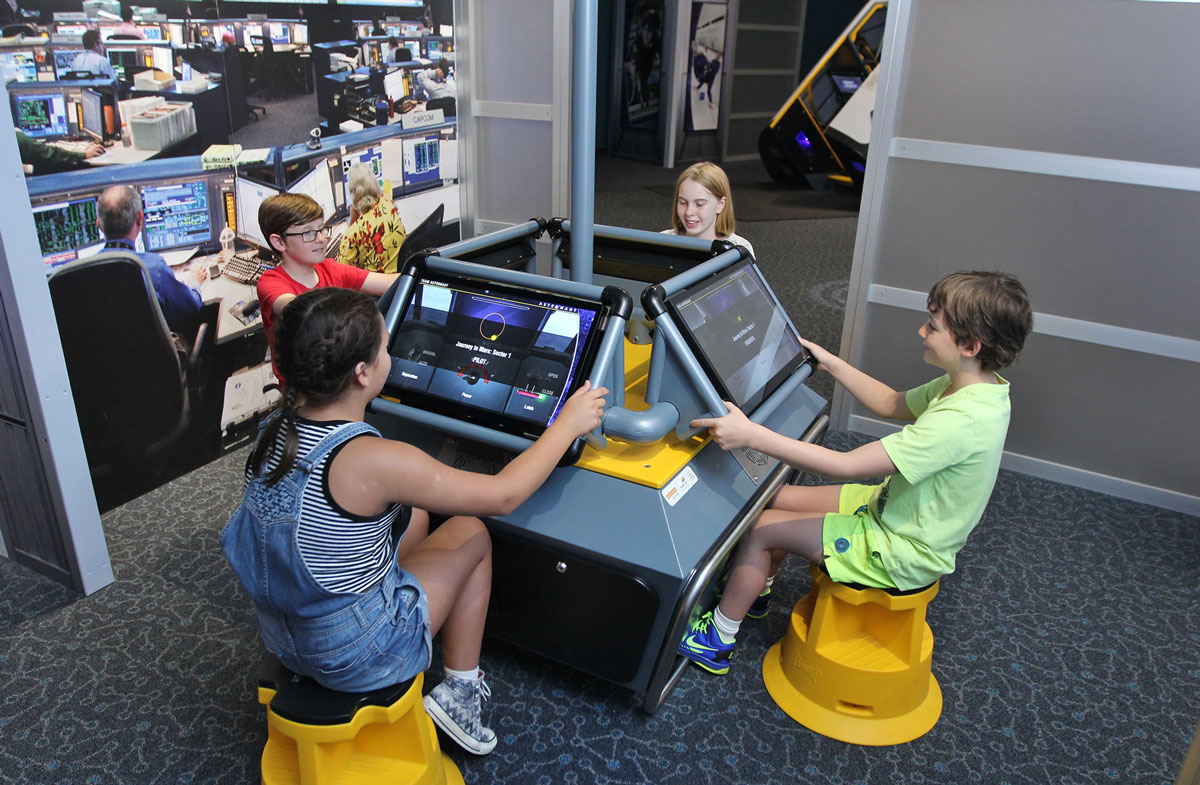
(436, 81)
(92, 58)
(119, 212)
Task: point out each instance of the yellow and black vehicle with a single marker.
(800, 140)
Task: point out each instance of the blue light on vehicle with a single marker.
(803, 141)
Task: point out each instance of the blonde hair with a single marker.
(365, 190)
(713, 178)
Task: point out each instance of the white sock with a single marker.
(725, 626)
(471, 675)
(767, 588)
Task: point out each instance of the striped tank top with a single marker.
(344, 552)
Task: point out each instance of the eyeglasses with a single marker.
(308, 235)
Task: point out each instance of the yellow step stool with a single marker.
(855, 663)
(317, 736)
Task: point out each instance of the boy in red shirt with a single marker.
(294, 225)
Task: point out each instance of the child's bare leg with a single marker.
(776, 530)
(454, 565)
(808, 499)
(803, 500)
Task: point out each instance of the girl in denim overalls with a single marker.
(332, 538)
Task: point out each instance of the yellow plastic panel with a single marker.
(651, 465)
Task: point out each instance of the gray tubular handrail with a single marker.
(451, 426)
(668, 667)
(531, 228)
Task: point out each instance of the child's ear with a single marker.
(971, 348)
(277, 242)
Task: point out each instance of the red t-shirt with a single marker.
(275, 282)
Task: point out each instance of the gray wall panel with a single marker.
(1105, 79)
(1102, 410)
(742, 135)
(509, 184)
(769, 12)
(1103, 252)
(758, 93)
(504, 74)
(767, 48)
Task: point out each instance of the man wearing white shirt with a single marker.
(435, 82)
(92, 58)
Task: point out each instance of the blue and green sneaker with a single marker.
(703, 645)
(762, 604)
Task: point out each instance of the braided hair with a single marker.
(320, 339)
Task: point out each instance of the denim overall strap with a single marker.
(340, 434)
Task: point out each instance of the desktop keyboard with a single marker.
(81, 146)
(245, 267)
(335, 243)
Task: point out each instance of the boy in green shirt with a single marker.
(940, 469)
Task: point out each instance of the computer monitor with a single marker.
(163, 58)
(433, 49)
(372, 156)
(317, 184)
(249, 33)
(373, 53)
(186, 71)
(396, 84)
(410, 28)
(19, 66)
(220, 31)
(176, 214)
(41, 115)
(422, 156)
(299, 33)
(502, 357)
(740, 334)
(92, 114)
(63, 60)
(414, 47)
(280, 33)
(846, 84)
(249, 195)
(151, 32)
(70, 29)
(175, 34)
(124, 61)
(67, 230)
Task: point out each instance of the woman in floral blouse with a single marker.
(376, 232)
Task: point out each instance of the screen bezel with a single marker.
(754, 398)
(188, 181)
(88, 94)
(49, 133)
(498, 420)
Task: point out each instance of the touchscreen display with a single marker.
(501, 356)
(739, 333)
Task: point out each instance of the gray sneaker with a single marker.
(456, 707)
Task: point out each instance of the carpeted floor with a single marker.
(1067, 644)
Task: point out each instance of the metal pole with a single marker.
(583, 138)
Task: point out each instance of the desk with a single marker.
(212, 111)
(228, 293)
(118, 154)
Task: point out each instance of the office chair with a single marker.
(135, 387)
(447, 105)
(18, 29)
(423, 237)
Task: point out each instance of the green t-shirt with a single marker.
(947, 462)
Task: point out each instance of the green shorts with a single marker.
(848, 540)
